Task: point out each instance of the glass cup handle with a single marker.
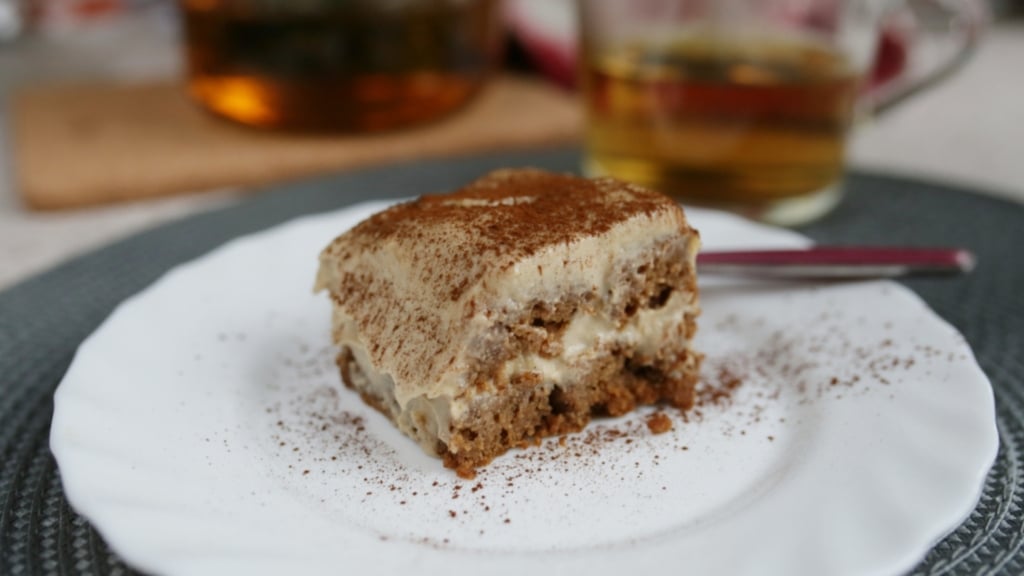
(965, 18)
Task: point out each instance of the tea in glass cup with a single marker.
(737, 104)
(353, 65)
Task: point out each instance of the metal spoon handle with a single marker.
(837, 262)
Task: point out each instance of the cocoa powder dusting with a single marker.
(505, 216)
(745, 394)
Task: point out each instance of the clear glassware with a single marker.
(348, 65)
(740, 104)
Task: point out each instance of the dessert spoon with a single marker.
(837, 262)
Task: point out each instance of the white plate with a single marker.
(203, 430)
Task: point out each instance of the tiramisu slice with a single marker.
(515, 308)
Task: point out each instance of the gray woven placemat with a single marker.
(42, 321)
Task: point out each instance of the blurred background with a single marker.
(98, 136)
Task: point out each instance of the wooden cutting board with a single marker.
(81, 145)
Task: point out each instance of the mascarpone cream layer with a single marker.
(419, 304)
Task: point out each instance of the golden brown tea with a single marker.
(718, 122)
(354, 65)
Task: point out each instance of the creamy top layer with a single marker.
(422, 282)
